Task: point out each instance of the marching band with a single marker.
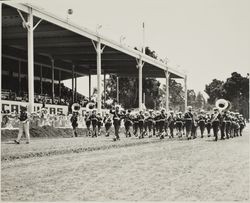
(221, 121)
(168, 124)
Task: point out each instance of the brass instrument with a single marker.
(222, 104)
(90, 106)
(75, 107)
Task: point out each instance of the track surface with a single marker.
(171, 170)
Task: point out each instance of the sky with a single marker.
(206, 39)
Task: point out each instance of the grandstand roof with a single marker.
(68, 43)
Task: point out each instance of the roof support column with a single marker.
(41, 79)
(30, 28)
(53, 79)
(30, 61)
(104, 81)
(167, 90)
(99, 51)
(117, 89)
(140, 65)
(76, 87)
(59, 71)
(73, 92)
(89, 85)
(0, 61)
(19, 78)
(185, 96)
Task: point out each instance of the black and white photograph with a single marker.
(125, 100)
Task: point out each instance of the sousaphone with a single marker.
(223, 104)
(75, 107)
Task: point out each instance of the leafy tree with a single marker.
(237, 92)
(235, 89)
(191, 97)
(200, 101)
(215, 90)
(176, 95)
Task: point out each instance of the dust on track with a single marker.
(171, 170)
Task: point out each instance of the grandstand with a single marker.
(40, 50)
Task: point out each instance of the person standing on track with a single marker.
(23, 125)
(141, 124)
(171, 123)
(74, 123)
(188, 121)
(94, 121)
(201, 122)
(128, 124)
(107, 123)
(88, 123)
(216, 122)
(179, 124)
(117, 117)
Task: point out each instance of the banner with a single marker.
(14, 106)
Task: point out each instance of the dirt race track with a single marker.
(170, 170)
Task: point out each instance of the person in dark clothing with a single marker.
(135, 120)
(216, 122)
(88, 123)
(242, 123)
(107, 123)
(74, 123)
(223, 124)
(228, 121)
(141, 124)
(202, 122)
(161, 119)
(179, 124)
(99, 123)
(188, 122)
(208, 124)
(117, 117)
(128, 124)
(94, 121)
(171, 124)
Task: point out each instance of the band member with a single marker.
(88, 123)
(99, 123)
(166, 125)
(194, 126)
(141, 124)
(94, 121)
(145, 124)
(162, 118)
(179, 124)
(232, 124)
(216, 122)
(157, 123)
(128, 123)
(171, 123)
(117, 117)
(107, 123)
(236, 125)
(135, 124)
(188, 121)
(227, 119)
(223, 124)
(74, 123)
(150, 122)
(202, 122)
(208, 124)
(23, 125)
(242, 123)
